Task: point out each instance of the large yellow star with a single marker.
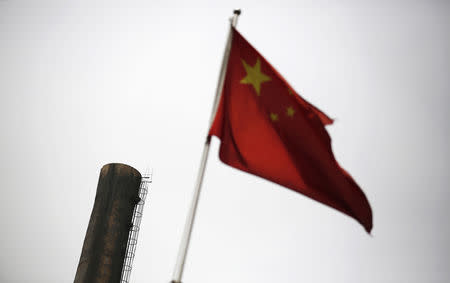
(254, 76)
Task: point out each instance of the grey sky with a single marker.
(83, 84)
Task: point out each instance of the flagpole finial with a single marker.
(234, 19)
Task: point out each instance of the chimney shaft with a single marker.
(103, 253)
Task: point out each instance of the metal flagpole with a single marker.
(184, 245)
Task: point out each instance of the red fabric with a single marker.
(293, 151)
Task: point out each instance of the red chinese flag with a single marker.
(268, 130)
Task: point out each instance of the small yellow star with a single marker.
(290, 91)
(254, 76)
(290, 111)
(274, 117)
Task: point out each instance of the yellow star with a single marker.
(290, 91)
(254, 76)
(290, 111)
(273, 117)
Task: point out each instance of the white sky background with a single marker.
(83, 84)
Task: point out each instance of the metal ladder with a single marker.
(134, 230)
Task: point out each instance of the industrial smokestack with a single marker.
(105, 244)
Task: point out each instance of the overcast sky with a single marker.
(85, 83)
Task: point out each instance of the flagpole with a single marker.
(185, 240)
